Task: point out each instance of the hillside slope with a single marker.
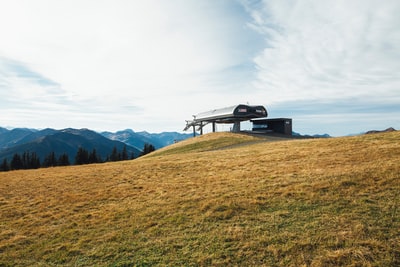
(202, 202)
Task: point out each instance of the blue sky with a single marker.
(331, 65)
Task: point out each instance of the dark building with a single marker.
(278, 125)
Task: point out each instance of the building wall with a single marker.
(281, 125)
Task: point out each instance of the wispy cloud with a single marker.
(336, 59)
(150, 55)
(329, 49)
(20, 85)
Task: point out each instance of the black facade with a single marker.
(279, 125)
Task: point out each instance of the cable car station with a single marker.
(235, 115)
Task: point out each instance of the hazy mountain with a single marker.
(131, 138)
(35, 135)
(9, 138)
(64, 141)
(138, 139)
(311, 136)
(3, 130)
(391, 129)
(166, 138)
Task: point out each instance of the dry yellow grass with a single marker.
(208, 201)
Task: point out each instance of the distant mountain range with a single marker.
(68, 141)
(390, 129)
(311, 136)
(138, 139)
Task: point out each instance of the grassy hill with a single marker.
(219, 199)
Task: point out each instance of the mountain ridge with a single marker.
(65, 141)
(138, 139)
(69, 140)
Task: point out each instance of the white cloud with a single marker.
(103, 46)
(329, 49)
(150, 55)
(331, 65)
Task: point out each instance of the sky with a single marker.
(333, 66)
